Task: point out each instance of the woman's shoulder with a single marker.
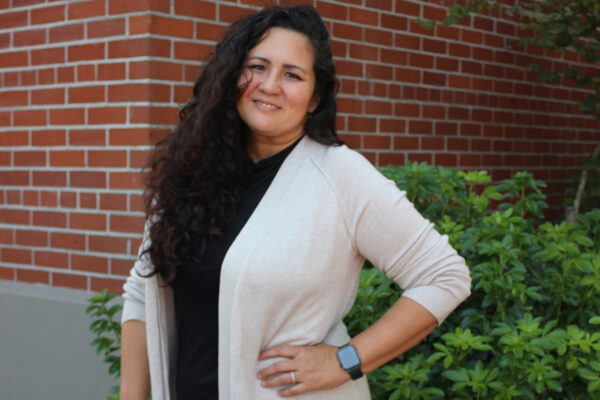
(340, 162)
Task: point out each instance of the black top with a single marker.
(196, 292)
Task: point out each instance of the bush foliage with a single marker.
(530, 329)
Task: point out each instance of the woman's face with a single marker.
(279, 79)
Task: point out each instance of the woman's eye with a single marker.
(256, 67)
(292, 75)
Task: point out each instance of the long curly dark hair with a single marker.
(197, 170)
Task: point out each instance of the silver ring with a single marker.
(293, 377)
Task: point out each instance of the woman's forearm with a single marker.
(135, 373)
(404, 325)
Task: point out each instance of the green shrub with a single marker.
(530, 329)
(107, 331)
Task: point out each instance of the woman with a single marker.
(259, 223)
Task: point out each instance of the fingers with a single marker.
(284, 379)
(277, 368)
(279, 351)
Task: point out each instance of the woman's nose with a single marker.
(270, 84)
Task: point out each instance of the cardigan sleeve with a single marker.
(388, 231)
(135, 285)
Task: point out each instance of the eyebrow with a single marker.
(266, 60)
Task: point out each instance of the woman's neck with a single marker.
(258, 149)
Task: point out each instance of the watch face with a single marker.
(348, 357)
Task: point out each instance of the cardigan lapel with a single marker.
(236, 259)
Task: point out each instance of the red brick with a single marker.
(104, 158)
(135, 136)
(49, 178)
(126, 223)
(420, 157)
(87, 221)
(47, 14)
(195, 8)
(408, 7)
(105, 28)
(471, 36)
(139, 47)
(51, 259)
(469, 160)
(377, 142)
(432, 78)
(345, 31)
(114, 71)
(67, 116)
(14, 178)
(391, 159)
(89, 263)
(46, 76)
(86, 94)
(107, 115)
(459, 50)
(113, 201)
(29, 118)
(206, 31)
(49, 218)
(154, 115)
(86, 73)
(87, 9)
(29, 38)
(434, 46)
(107, 244)
(155, 70)
(32, 238)
(86, 52)
(66, 74)
(408, 42)
(14, 216)
(88, 200)
(126, 180)
(31, 198)
(420, 60)
(66, 33)
(191, 51)
(432, 143)
(447, 32)
(88, 179)
(136, 203)
(7, 274)
(6, 236)
(14, 59)
(33, 276)
(48, 96)
(119, 266)
(420, 127)
(69, 280)
(15, 256)
(361, 16)
(30, 158)
(230, 14)
(13, 98)
(392, 125)
(67, 241)
(67, 158)
(49, 198)
(445, 159)
(113, 286)
(87, 137)
(120, 7)
(361, 124)
(348, 68)
(68, 199)
(13, 19)
(378, 36)
(358, 51)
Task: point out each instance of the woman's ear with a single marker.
(314, 103)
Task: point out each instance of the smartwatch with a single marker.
(349, 360)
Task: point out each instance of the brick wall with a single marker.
(88, 86)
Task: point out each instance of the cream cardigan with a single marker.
(292, 273)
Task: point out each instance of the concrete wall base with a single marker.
(45, 350)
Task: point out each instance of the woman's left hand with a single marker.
(313, 367)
